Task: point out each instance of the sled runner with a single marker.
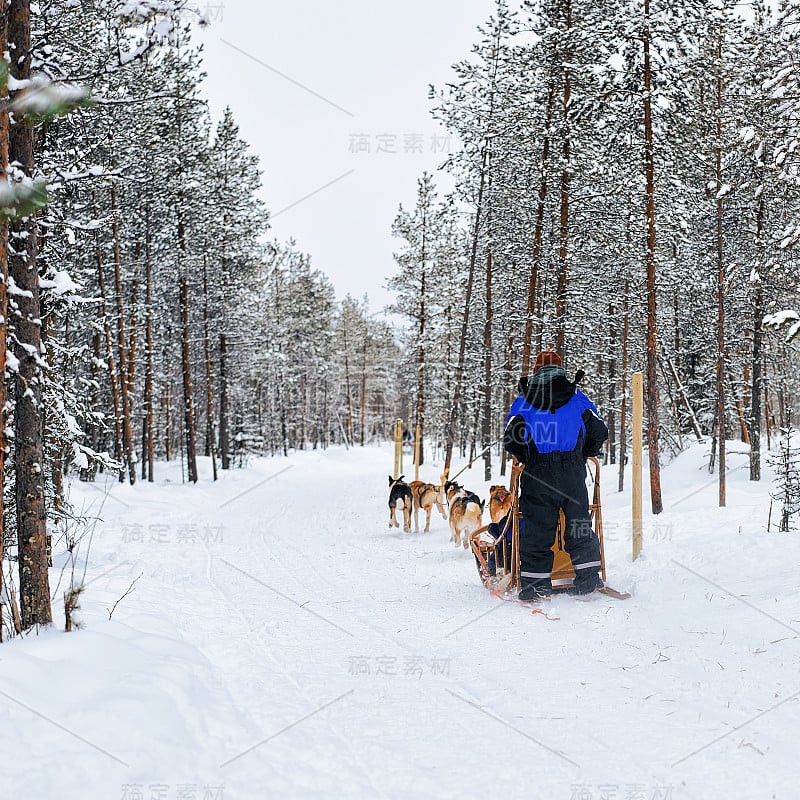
(496, 550)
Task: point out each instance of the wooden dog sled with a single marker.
(505, 582)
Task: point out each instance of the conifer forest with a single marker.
(624, 191)
(627, 193)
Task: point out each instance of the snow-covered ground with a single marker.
(282, 642)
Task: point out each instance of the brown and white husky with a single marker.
(500, 500)
(426, 496)
(465, 513)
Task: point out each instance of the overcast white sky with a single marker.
(365, 66)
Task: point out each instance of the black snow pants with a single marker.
(550, 482)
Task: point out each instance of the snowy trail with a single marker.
(283, 642)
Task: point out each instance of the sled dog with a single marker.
(465, 513)
(426, 496)
(400, 499)
(499, 502)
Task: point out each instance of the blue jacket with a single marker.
(553, 416)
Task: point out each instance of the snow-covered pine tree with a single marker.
(40, 443)
(614, 166)
(785, 460)
(241, 218)
(416, 285)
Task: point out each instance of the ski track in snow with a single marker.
(284, 642)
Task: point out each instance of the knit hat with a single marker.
(545, 358)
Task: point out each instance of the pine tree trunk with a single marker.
(757, 356)
(676, 317)
(210, 450)
(34, 582)
(612, 379)
(133, 338)
(420, 415)
(720, 283)
(533, 283)
(486, 438)
(3, 311)
(148, 418)
(51, 447)
(224, 451)
(462, 344)
(284, 432)
(508, 368)
(769, 417)
(623, 412)
(110, 360)
(188, 398)
(652, 324)
(326, 422)
(97, 402)
(348, 392)
(168, 420)
(260, 408)
(127, 437)
(563, 229)
(189, 433)
(304, 416)
(363, 396)
(317, 416)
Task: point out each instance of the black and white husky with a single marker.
(400, 499)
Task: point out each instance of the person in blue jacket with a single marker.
(552, 428)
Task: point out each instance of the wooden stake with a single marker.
(416, 451)
(636, 499)
(398, 448)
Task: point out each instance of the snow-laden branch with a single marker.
(788, 318)
(156, 20)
